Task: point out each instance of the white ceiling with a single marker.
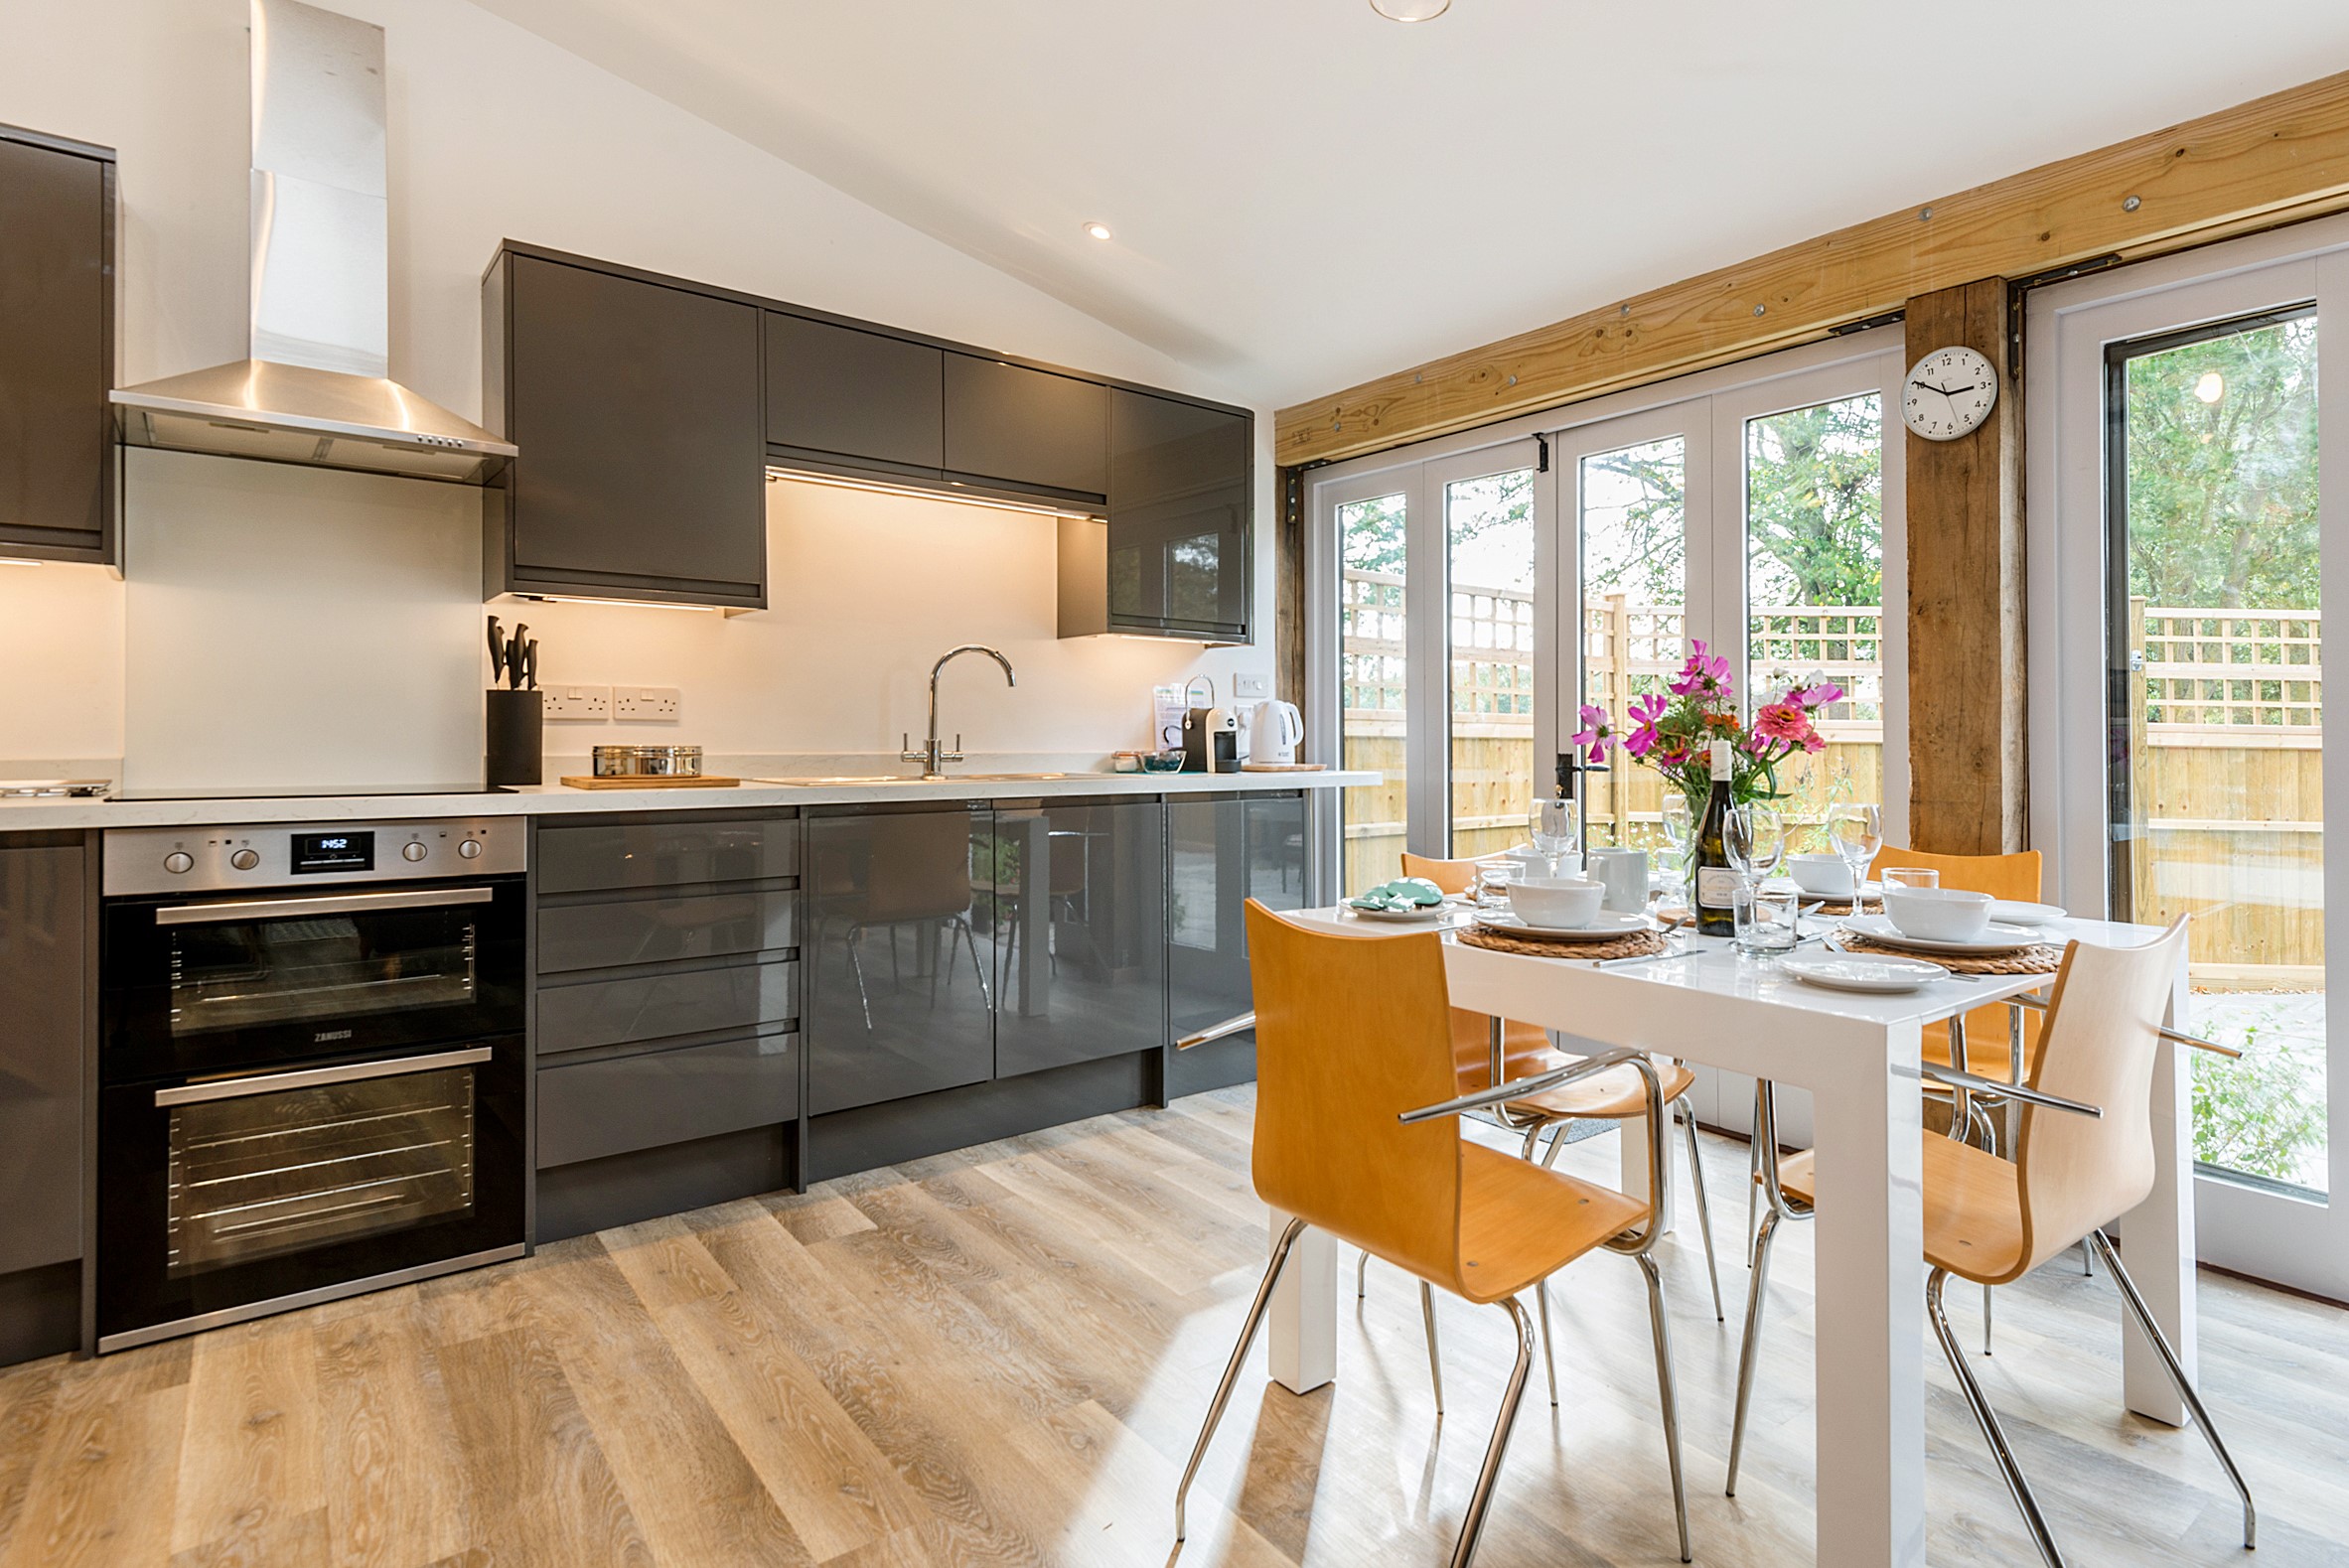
(1305, 195)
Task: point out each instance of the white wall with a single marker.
(495, 134)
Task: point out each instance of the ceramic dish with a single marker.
(1602, 927)
(1417, 915)
(2018, 913)
(1996, 938)
(1877, 974)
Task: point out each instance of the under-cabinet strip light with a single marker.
(927, 492)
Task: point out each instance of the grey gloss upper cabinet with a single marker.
(841, 392)
(1029, 429)
(57, 348)
(43, 964)
(1180, 493)
(635, 405)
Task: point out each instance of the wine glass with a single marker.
(1754, 839)
(1555, 831)
(1856, 831)
(1680, 829)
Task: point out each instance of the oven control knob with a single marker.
(411, 851)
(470, 849)
(179, 862)
(246, 859)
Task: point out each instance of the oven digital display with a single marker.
(315, 852)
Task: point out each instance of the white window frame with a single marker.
(2291, 1242)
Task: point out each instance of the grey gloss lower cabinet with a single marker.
(1080, 932)
(589, 1110)
(43, 914)
(899, 994)
(1222, 851)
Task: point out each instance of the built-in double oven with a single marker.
(312, 1078)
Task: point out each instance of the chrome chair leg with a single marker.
(1247, 1338)
(1362, 1276)
(1434, 1359)
(2177, 1378)
(1481, 1501)
(1987, 1419)
(1753, 1335)
(1704, 1208)
(1666, 1394)
(1985, 1320)
(2086, 1259)
(1548, 1338)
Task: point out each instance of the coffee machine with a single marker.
(1212, 741)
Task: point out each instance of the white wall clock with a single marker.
(1948, 393)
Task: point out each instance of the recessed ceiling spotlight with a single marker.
(1410, 10)
(1098, 231)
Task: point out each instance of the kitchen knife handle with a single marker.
(496, 653)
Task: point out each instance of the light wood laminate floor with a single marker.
(1001, 1355)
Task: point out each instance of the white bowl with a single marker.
(1937, 913)
(1557, 901)
(1821, 876)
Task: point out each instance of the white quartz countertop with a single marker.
(33, 815)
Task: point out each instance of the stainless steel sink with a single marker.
(1012, 778)
(842, 779)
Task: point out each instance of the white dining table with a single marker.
(1858, 1057)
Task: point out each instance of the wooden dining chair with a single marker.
(1990, 1033)
(1614, 1095)
(1352, 1034)
(2084, 1154)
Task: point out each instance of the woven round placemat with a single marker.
(1843, 906)
(1636, 946)
(2041, 960)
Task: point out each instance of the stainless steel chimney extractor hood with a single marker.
(315, 390)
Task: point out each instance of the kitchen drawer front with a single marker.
(669, 1003)
(619, 1104)
(715, 925)
(666, 854)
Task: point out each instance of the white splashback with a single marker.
(294, 627)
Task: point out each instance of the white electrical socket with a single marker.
(645, 704)
(568, 701)
(1246, 685)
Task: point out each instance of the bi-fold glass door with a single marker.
(1437, 593)
(2181, 723)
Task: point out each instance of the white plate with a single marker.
(1602, 927)
(1996, 938)
(1417, 914)
(1875, 973)
(2018, 913)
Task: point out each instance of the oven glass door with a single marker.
(214, 984)
(220, 1192)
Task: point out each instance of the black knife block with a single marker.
(517, 737)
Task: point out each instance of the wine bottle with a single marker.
(1716, 882)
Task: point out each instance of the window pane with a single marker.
(1815, 592)
(1633, 554)
(1489, 533)
(1370, 666)
(2221, 798)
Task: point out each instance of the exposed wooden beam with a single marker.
(1966, 764)
(1288, 588)
(2272, 160)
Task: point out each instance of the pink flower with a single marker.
(1788, 722)
(1705, 677)
(1818, 696)
(1596, 734)
(1644, 714)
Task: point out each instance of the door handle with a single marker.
(328, 903)
(314, 1078)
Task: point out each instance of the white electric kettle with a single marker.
(1274, 732)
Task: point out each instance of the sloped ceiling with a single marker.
(1304, 195)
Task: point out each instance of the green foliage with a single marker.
(2263, 1114)
(2222, 474)
(1815, 504)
